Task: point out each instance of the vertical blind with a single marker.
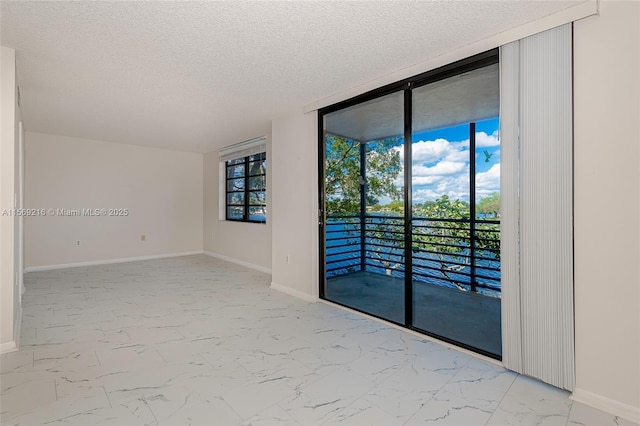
(537, 206)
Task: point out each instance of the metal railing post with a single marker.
(472, 204)
(363, 206)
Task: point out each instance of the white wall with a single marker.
(9, 281)
(245, 243)
(162, 190)
(607, 207)
(295, 204)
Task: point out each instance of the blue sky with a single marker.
(441, 162)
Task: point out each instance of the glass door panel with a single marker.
(364, 207)
(454, 219)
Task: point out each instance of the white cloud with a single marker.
(425, 180)
(424, 194)
(442, 167)
(442, 149)
(432, 187)
(488, 182)
(484, 140)
(432, 151)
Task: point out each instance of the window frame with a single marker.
(246, 190)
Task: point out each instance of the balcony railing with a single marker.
(457, 253)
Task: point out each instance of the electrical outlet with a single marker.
(288, 259)
(77, 242)
(143, 237)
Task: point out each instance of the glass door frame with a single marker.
(481, 60)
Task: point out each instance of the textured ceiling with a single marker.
(198, 75)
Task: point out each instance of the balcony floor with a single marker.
(469, 318)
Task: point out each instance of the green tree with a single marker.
(385, 235)
(396, 206)
(489, 205)
(442, 208)
(446, 234)
(488, 234)
(343, 180)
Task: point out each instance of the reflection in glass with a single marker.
(235, 171)
(257, 183)
(257, 197)
(235, 212)
(258, 213)
(235, 185)
(235, 198)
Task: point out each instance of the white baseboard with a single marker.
(8, 347)
(293, 292)
(239, 262)
(108, 261)
(617, 408)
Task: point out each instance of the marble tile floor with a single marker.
(197, 341)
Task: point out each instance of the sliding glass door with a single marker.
(455, 153)
(364, 207)
(411, 232)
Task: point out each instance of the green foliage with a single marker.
(342, 168)
(442, 208)
(490, 205)
(488, 238)
(342, 173)
(446, 233)
(383, 167)
(447, 240)
(488, 234)
(440, 233)
(396, 206)
(387, 231)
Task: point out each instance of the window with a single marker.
(243, 184)
(246, 196)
